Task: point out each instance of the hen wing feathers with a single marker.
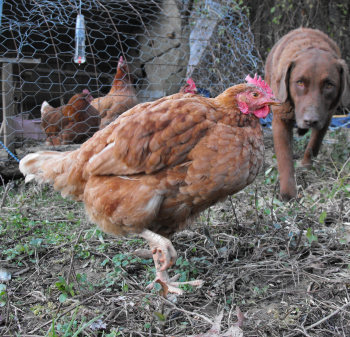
(150, 137)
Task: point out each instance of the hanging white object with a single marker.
(79, 55)
(201, 34)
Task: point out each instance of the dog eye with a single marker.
(329, 85)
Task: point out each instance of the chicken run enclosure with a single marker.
(163, 43)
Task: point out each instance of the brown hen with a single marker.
(161, 163)
(72, 123)
(121, 97)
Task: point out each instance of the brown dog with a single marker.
(306, 73)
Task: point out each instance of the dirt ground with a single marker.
(269, 268)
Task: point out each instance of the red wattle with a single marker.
(262, 113)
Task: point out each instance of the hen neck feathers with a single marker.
(231, 109)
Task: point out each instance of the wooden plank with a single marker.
(74, 72)
(8, 106)
(18, 60)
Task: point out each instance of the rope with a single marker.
(9, 152)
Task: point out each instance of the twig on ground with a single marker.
(187, 312)
(4, 196)
(72, 256)
(234, 211)
(327, 317)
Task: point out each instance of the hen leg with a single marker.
(164, 256)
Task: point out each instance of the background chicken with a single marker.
(121, 97)
(72, 123)
(189, 87)
(161, 163)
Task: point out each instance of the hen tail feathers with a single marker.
(50, 167)
(45, 107)
(42, 166)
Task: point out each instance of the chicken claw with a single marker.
(164, 256)
(170, 285)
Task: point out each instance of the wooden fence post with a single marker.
(8, 106)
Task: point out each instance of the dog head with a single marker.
(315, 82)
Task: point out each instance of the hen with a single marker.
(161, 163)
(72, 123)
(121, 97)
(189, 87)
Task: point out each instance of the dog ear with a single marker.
(344, 84)
(283, 90)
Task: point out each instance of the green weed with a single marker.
(70, 328)
(3, 295)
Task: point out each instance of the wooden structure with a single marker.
(7, 130)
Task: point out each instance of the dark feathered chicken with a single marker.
(72, 123)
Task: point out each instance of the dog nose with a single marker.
(311, 123)
(311, 118)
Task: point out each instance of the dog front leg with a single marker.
(283, 140)
(314, 145)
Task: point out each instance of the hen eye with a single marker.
(255, 94)
(300, 83)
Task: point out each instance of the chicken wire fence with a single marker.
(162, 42)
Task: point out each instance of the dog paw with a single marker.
(306, 164)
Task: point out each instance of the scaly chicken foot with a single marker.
(170, 285)
(164, 256)
(163, 251)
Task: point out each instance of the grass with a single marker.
(285, 265)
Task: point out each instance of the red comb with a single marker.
(259, 82)
(191, 84)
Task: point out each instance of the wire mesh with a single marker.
(162, 42)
